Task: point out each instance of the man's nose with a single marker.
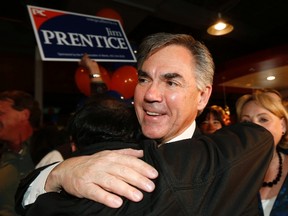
(154, 93)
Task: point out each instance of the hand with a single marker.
(88, 63)
(92, 67)
(96, 176)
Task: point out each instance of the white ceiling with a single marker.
(258, 80)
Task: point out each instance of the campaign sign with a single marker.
(66, 36)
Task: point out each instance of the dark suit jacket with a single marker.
(205, 175)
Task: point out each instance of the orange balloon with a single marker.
(124, 81)
(82, 80)
(111, 14)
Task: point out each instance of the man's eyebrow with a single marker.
(165, 76)
(142, 73)
(171, 75)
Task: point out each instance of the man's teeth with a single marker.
(153, 113)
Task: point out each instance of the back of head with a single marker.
(22, 100)
(103, 119)
(204, 63)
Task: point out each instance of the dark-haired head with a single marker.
(102, 119)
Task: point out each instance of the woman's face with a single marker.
(252, 112)
(210, 124)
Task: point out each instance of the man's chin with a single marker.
(152, 134)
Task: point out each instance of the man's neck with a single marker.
(186, 134)
(17, 144)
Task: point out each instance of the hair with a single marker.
(270, 91)
(103, 119)
(204, 62)
(22, 100)
(214, 110)
(46, 139)
(268, 102)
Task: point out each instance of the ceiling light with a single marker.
(270, 78)
(220, 27)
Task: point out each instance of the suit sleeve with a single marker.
(23, 187)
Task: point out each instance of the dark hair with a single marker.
(45, 140)
(103, 119)
(216, 111)
(22, 100)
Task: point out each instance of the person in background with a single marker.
(266, 109)
(198, 174)
(211, 119)
(50, 144)
(57, 146)
(285, 103)
(97, 84)
(19, 119)
(271, 92)
(276, 94)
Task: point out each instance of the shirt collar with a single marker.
(187, 134)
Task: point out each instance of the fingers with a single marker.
(126, 171)
(124, 181)
(83, 59)
(132, 152)
(105, 176)
(91, 65)
(139, 165)
(97, 194)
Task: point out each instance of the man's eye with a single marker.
(141, 80)
(172, 83)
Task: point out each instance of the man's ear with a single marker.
(204, 97)
(25, 114)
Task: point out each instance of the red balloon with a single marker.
(124, 81)
(110, 13)
(105, 76)
(82, 80)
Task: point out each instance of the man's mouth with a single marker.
(152, 113)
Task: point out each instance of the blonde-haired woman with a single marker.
(268, 111)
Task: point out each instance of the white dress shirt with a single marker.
(50, 158)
